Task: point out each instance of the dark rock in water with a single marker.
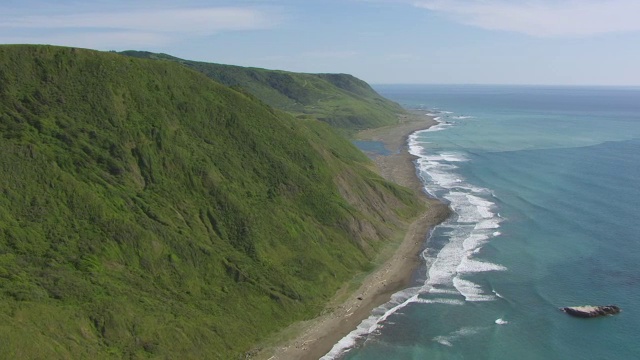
(591, 311)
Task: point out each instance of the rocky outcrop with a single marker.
(591, 311)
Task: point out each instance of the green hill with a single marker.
(148, 211)
(340, 100)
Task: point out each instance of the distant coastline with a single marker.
(314, 338)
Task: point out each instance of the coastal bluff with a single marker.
(148, 211)
(589, 311)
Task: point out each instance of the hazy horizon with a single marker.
(540, 42)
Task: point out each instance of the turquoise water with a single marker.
(545, 184)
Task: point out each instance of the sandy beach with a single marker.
(313, 339)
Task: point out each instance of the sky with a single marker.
(550, 42)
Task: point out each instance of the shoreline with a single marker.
(314, 338)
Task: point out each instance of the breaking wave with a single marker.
(456, 259)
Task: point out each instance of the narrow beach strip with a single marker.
(316, 337)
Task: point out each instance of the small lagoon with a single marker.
(372, 148)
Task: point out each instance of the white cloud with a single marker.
(127, 28)
(545, 18)
(205, 21)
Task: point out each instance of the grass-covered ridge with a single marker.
(340, 100)
(148, 211)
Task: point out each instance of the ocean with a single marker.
(545, 186)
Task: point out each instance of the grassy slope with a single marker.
(147, 211)
(341, 100)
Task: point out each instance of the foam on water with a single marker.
(372, 324)
(557, 222)
(466, 233)
(443, 340)
(471, 291)
(473, 226)
(442, 178)
(483, 206)
(440, 301)
(438, 127)
(469, 265)
(443, 269)
(470, 208)
(498, 295)
(439, 169)
(451, 157)
(434, 290)
(447, 340)
(474, 241)
(488, 224)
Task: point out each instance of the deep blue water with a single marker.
(545, 184)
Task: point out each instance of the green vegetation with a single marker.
(340, 100)
(148, 211)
